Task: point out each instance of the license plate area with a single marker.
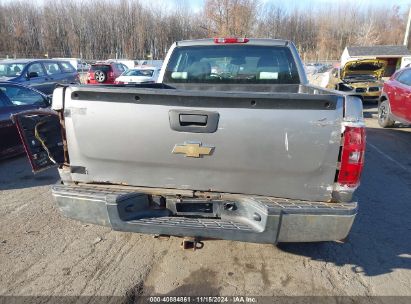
(194, 207)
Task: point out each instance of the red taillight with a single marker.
(352, 156)
(231, 40)
(110, 74)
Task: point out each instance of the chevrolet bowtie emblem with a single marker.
(192, 150)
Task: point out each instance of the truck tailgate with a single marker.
(283, 145)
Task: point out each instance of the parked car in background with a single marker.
(395, 100)
(128, 64)
(79, 64)
(139, 75)
(125, 67)
(155, 63)
(104, 72)
(15, 98)
(314, 68)
(359, 77)
(41, 74)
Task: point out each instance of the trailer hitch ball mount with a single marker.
(192, 243)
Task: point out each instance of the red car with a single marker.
(395, 101)
(104, 73)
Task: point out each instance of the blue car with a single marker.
(41, 74)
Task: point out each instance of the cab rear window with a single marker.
(232, 64)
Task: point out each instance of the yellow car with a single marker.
(360, 77)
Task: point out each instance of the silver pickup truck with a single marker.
(231, 143)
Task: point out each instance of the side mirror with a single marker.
(33, 75)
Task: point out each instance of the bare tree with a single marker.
(367, 34)
(231, 17)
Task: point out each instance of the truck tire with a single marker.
(100, 76)
(384, 111)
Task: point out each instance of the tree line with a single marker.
(102, 29)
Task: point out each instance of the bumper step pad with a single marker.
(194, 223)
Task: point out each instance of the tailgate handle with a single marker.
(194, 121)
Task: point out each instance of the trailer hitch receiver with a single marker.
(192, 243)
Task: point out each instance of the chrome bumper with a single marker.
(235, 217)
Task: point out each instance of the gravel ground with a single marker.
(44, 254)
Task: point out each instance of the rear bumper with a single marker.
(252, 219)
